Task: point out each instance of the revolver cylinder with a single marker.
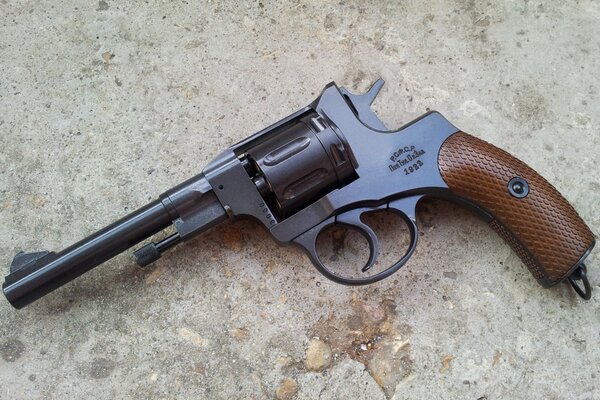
(298, 165)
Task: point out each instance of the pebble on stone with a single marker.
(240, 334)
(193, 337)
(318, 355)
(232, 238)
(287, 389)
(107, 56)
(446, 360)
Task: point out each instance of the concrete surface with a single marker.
(105, 105)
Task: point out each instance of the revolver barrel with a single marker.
(191, 207)
(34, 275)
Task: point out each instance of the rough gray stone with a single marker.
(104, 105)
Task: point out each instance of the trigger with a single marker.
(361, 104)
(351, 219)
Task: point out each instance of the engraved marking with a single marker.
(267, 213)
(406, 157)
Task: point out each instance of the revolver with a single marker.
(328, 164)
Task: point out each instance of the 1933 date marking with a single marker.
(407, 157)
(413, 168)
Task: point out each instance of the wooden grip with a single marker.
(529, 213)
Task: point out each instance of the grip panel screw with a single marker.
(518, 187)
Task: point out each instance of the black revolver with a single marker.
(329, 163)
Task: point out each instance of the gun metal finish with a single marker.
(328, 163)
(379, 170)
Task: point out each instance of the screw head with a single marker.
(518, 187)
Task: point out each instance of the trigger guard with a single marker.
(308, 240)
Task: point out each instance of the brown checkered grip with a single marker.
(529, 213)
